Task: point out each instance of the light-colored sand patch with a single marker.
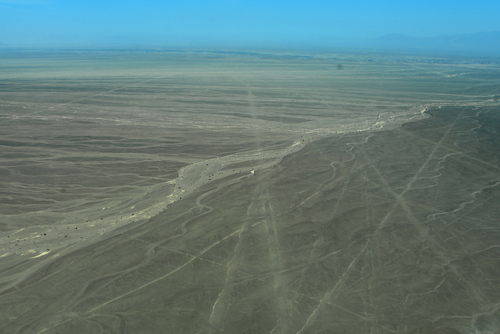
(40, 255)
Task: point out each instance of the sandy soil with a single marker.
(194, 194)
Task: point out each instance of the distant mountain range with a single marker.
(474, 43)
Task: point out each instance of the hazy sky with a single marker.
(153, 21)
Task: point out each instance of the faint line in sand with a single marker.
(164, 276)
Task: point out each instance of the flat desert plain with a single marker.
(191, 191)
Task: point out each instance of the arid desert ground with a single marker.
(190, 191)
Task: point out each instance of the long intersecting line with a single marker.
(312, 317)
(166, 275)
